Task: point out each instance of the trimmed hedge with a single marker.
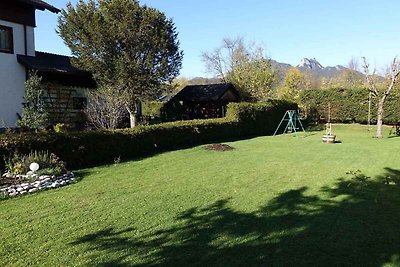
(81, 149)
(347, 105)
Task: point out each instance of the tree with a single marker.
(178, 84)
(244, 65)
(295, 81)
(381, 94)
(128, 47)
(34, 114)
(349, 77)
(104, 110)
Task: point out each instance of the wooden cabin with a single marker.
(200, 102)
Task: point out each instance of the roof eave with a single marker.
(42, 7)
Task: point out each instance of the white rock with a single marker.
(13, 194)
(32, 190)
(19, 189)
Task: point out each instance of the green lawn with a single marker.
(273, 201)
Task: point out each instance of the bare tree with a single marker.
(244, 65)
(104, 109)
(353, 64)
(381, 95)
(221, 60)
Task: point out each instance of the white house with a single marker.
(18, 56)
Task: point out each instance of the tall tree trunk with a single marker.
(132, 117)
(379, 121)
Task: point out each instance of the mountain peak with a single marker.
(311, 64)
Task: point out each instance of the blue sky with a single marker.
(332, 31)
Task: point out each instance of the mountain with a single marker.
(311, 66)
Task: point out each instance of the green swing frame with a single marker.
(291, 127)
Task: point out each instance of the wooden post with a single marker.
(369, 112)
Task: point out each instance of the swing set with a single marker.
(293, 121)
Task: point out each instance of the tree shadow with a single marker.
(353, 223)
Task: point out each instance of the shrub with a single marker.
(152, 108)
(60, 127)
(49, 163)
(347, 105)
(34, 115)
(96, 147)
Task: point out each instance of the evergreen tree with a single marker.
(34, 114)
(129, 47)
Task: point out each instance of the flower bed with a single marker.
(30, 183)
(46, 171)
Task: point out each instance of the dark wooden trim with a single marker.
(10, 34)
(17, 12)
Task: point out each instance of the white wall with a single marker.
(13, 75)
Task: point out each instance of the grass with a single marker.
(272, 201)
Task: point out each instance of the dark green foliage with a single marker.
(347, 105)
(34, 115)
(152, 108)
(95, 147)
(130, 47)
(259, 118)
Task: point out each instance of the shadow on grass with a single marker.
(81, 174)
(353, 223)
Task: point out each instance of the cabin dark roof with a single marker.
(58, 67)
(204, 93)
(41, 5)
(46, 62)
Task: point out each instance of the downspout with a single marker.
(26, 51)
(25, 39)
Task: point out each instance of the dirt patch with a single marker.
(219, 147)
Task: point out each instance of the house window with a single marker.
(6, 39)
(79, 103)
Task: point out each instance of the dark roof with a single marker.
(41, 5)
(46, 62)
(58, 67)
(204, 93)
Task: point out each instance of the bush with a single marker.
(259, 118)
(49, 163)
(152, 108)
(95, 147)
(347, 105)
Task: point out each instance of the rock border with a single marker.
(40, 182)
